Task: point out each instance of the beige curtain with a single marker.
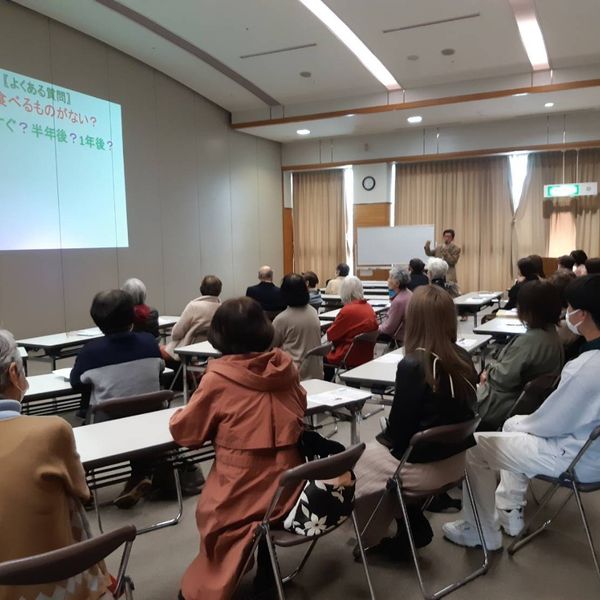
(473, 198)
(587, 208)
(554, 227)
(319, 217)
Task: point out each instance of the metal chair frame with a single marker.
(568, 480)
(326, 468)
(72, 560)
(444, 434)
(124, 407)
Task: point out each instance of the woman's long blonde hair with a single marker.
(431, 330)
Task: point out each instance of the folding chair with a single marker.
(534, 394)
(568, 480)
(64, 563)
(441, 436)
(119, 408)
(326, 468)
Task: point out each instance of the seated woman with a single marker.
(312, 282)
(192, 326)
(42, 484)
(437, 270)
(145, 317)
(528, 271)
(537, 352)
(250, 406)
(579, 256)
(435, 385)
(416, 268)
(297, 328)
(400, 295)
(355, 317)
(592, 266)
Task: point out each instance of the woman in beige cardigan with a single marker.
(41, 483)
(192, 326)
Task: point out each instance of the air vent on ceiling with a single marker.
(278, 51)
(429, 23)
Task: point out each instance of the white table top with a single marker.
(382, 370)
(371, 298)
(501, 326)
(23, 352)
(101, 443)
(378, 283)
(330, 315)
(201, 350)
(477, 298)
(324, 323)
(167, 320)
(47, 386)
(62, 340)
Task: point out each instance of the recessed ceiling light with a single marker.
(549, 104)
(521, 94)
(415, 119)
(302, 131)
(350, 115)
(448, 51)
(531, 33)
(352, 42)
(412, 57)
(305, 74)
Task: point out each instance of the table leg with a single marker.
(475, 318)
(185, 381)
(354, 427)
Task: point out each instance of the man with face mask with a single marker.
(41, 483)
(543, 443)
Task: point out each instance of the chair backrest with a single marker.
(324, 468)
(534, 395)
(366, 337)
(64, 563)
(445, 434)
(322, 350)
(118, 408)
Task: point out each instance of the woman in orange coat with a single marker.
(357, 316)
(250, 405)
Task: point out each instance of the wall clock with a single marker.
(368, 183)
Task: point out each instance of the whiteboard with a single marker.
(392, 245)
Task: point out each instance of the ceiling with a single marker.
(482, 33)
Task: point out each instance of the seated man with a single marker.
(42, 484)
(122, 363)
(543, 443)
(192, 326)
(266, 293)
(334, 286)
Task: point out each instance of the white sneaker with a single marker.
(463, 533)
(511, 521)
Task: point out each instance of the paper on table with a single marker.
(90, 331)
(466, 342)
(338, 396)
(390, 357)
(64, 373)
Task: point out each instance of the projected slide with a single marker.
(61, 159)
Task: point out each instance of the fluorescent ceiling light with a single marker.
(352, 42)
(531, 33)
(415, 119)
(303, 131)
(521, 94)
(549, 104)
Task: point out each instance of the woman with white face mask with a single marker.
(41, 484)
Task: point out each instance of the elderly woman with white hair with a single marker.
(41, 483)
(355, 317)
(145, 317)
(393, 325)
(437, 271)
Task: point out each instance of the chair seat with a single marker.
(420, 494)
(591, 486)
(285, 539)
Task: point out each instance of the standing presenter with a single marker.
(448, 251)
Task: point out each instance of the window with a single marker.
(518, 171)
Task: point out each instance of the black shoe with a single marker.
(444, 503)
(133, 493)
(394, 548)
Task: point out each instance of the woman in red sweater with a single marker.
(356, 316)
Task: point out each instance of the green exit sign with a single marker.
(561, 190)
